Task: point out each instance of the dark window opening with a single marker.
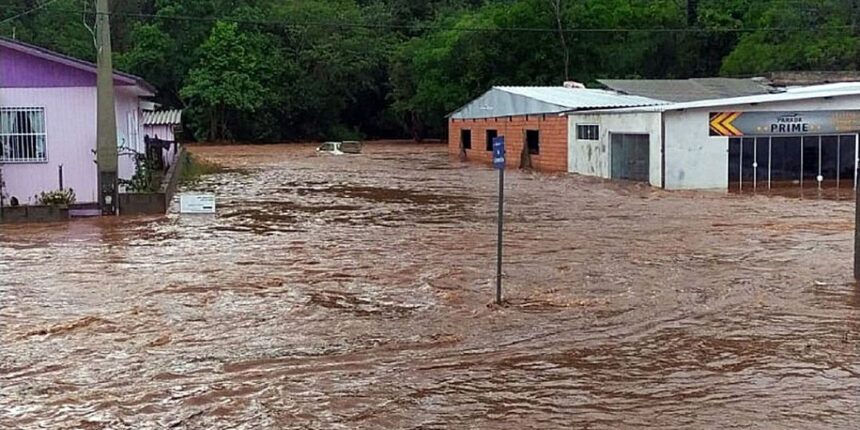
(491, 134)
(533, 141)
(588, 132)
(466, 139)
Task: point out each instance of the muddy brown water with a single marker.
(354, 292)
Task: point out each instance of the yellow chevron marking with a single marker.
(727, 123)
(716, 123)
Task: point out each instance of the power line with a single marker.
(434, 27)
(27, 12)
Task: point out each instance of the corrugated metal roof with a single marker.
(791, 94)
(686, 90)
(581, 98)
(165, 117)
(513, 101)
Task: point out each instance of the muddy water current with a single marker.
(341, 292)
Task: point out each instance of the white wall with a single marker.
(592, 158)
(695, 160)
(70, 123)
(129, 120)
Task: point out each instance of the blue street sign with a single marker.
(499, 152)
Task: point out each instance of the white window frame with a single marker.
(596, 138)
(29, 138)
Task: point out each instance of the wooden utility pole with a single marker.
(106, 147)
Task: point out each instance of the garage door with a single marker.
(629, 154)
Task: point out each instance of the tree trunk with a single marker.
(213, 125)
(558, 10)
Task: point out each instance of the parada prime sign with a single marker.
(735, 124)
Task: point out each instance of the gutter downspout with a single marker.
(662, 150)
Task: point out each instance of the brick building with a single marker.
(532, 120)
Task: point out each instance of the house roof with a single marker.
(686, 90)
(792, 78)
(165, 117)
(790, 94)
(49, 55)
(513, 101)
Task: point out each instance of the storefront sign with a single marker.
(783, 123)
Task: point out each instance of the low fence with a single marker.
(156, 202)
(23, 214)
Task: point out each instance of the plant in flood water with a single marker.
(64, 197)
(195, 167)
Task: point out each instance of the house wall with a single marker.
(163, 132)
(696, 160)
(129, 119)
(70, 123)
(553, 139)
(592, 157)
(70, 118)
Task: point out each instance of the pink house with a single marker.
(48, 123)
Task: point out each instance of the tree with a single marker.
(228, 78)
(815, 35)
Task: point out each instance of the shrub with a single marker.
(64, 197)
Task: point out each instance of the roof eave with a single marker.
(76, 63)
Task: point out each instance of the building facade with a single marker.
(803, 137)
(532, 121)
(48, 123)
(544, 137)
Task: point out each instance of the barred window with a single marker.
(587, 132)
(22, 135)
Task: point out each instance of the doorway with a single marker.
(629, 155)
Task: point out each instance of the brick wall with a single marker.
(553, 139)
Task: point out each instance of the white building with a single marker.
(801, 137)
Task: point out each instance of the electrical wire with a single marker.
(434, 27)
(27, 12)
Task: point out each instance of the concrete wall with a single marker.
(553, 139)
(696, 160)
(592, 157)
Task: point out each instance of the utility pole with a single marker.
(106, 150)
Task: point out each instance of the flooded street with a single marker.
(341, 292)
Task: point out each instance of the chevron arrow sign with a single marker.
(761, 123)
(721, 124)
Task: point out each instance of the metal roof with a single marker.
(791, 94)
(165, 117)
(513, 101)
(686, 90)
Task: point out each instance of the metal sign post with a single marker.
(499, 164)
(857, 234)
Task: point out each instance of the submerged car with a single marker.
(338, 148)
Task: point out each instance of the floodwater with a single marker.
(342, 292)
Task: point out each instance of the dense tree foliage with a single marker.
(270, 70)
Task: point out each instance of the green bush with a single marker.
(63, 197)
(143, 180)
